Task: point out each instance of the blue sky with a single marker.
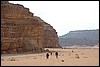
(66, 16)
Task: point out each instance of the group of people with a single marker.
(56, 54)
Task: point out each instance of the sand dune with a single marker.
(67, 57)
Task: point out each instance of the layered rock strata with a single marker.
(21, 31)
(51, 39)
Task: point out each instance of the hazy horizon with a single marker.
(65, 16)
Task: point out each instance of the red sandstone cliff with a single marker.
(51, 39)
(21, 31)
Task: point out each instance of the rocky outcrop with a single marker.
(21, 31)
(51, 39)
(50, 36)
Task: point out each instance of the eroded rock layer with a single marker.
(21, 31)
(51, 39)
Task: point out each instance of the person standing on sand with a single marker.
(47, 55)
(51, 53)
(72, 51)
(56, 54)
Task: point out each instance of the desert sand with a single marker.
(67, 57)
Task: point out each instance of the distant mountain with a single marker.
(80, 37)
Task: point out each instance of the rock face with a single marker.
(21, 31)
(51, 39)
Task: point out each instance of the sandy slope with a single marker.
(87, 57)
